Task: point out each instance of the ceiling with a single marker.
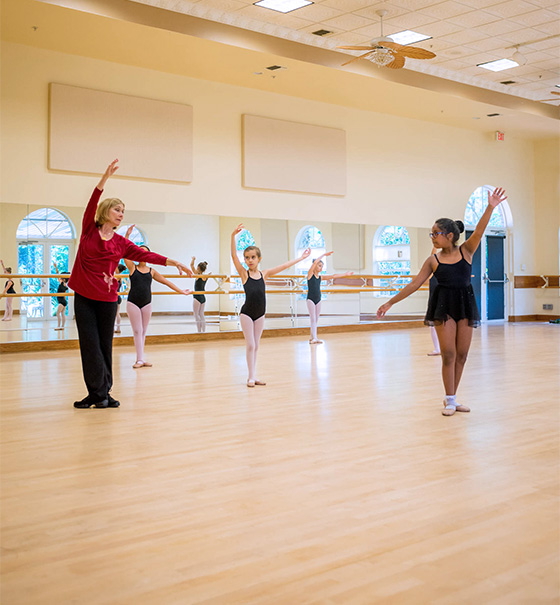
(463, 33)
(222, 40)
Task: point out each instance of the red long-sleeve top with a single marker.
(96, 261)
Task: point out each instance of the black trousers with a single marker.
(95, 320)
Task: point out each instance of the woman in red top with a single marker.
(92, 279)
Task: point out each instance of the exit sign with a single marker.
(500, 136)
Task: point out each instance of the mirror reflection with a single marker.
(359, 267)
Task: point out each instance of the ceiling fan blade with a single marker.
(397, 62)
(413, 52)
(355, 47)
(358, 57)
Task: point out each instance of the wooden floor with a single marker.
(338, 483)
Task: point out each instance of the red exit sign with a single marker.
(500, 136)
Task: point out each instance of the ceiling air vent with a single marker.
(274, 67)
(321, 32)
(492, 115)
(506, 82)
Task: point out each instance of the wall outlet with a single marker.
(548, 307)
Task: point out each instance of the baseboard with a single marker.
(534, 317)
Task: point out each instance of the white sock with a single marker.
(450, 401)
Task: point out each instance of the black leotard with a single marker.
(140, 293)
(10, 290)
(61, 299)
(453, 296)
(314, 289)
(200, 284)
(255, 298)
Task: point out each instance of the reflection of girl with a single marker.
(62, 300)
(139, 301)
(122, 286)
(314, 293)
(95, 300)
(199, 300)
(252, 312)
(452, 307)
(8, 289)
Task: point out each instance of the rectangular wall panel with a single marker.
(288, 156)
(90, 128)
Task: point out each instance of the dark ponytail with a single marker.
(202, 266)
(450, 226)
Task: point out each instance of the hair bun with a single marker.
(460, 225)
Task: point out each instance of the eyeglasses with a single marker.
(436, 233)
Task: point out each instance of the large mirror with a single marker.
(35, 238)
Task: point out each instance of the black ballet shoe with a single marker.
(86, 402)
(113, 403)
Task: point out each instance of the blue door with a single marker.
(476, 275)
(495, 277)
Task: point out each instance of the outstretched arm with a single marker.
(497, 197)
(162, 280)
(270, 272)
(337, 275)
(240, 268)
(410, 288)
(314, 264)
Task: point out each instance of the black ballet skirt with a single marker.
(453, 296)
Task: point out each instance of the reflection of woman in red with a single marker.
(95, 301)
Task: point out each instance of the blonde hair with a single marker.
(102, 212)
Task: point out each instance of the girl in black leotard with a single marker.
(62, 300)
(8, 289)
(199, 300)
(452, 307)
(314, 293)
(252, 312)
(139, 302)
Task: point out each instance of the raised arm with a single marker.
(409, 289)
(497, 197)
(314, 263)
(270, 272)
(3, 267)
(129, 264)
(240, 268)
(111, 169)
(162, 280)
(195, 272)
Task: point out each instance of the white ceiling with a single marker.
(464, 33)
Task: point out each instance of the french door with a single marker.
(39, 257)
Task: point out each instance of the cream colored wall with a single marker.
(547, 220)
(399, 170)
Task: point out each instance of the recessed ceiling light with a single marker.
(408, 37)
(499, 64)
(283, 6)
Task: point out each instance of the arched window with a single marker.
(391, 256)
(310, 237)
(46, 223)
(477, 205)
(45, 237)
(136, 237)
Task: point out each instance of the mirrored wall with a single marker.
(34, 239)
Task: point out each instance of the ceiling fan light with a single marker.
(381, 56)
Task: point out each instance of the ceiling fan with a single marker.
(385, 53)
(552, 92)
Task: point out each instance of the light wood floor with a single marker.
(338, 483)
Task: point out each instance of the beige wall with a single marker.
(400, 171)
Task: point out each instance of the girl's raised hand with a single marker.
(129, 231)
(238, 229)
(349, 273)
(306, 253)
(497, 197)
(328, 253)
(383, 309)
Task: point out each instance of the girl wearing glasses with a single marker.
(452, 306)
